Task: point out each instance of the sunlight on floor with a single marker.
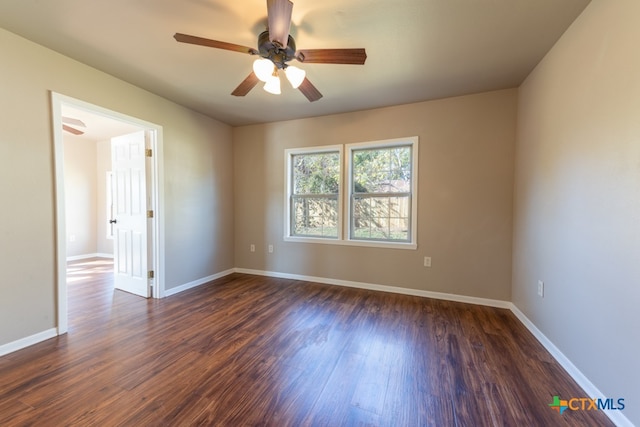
(79, 271)
(77, 278)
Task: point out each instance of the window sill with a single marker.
(361, 243)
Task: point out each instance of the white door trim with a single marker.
(156, 237)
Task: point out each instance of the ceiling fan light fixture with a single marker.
(263, 68)
(273, 85)
(295, 75)
(276, 48)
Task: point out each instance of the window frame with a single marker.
(289, 153)
(412, 143)
(345, 194)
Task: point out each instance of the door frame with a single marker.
(155, 187)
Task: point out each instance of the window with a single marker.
(380, 203)
(314, 193)
(379, 193)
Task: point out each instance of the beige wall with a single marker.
(465, 196)
(80, 161)
(577, 204)
(103, 165)
(85, 170)
(197, 180)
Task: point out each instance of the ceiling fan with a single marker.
(277, 48)
(68, 124)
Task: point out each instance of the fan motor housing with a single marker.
(275, 52)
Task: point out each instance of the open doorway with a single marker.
(84, 131)
(88, 181)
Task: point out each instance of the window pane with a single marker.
(385, 170)
(317, 173)
(316, 217)
(381, 218)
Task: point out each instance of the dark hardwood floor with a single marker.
(255, 351)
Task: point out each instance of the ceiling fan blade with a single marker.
(309, 90)
(332, 56)
(279, 16)
(246, 85)
(72, 130)
(186, 38)
(72, 121)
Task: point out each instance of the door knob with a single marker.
(113, 221)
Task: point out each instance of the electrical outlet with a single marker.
(541, 288)
(252, 248)
(270, 249)
(427, 261)
(72, 237)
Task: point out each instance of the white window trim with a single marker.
(288, 181)
(387, 143)
(344, 198)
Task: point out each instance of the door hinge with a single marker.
(148, 152)
(150, 274)
(149, 214)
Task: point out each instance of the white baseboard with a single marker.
(104, 255)
(592, 391)
(382, 288)
(87, 256)
(196, 283)
(27, 341)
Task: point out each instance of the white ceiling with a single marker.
(97, 127)
(417, 49)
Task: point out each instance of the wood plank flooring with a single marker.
(255, 351)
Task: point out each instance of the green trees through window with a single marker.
(378, 189)
(381, 193)
(316, 188)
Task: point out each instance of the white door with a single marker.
(130, 213)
